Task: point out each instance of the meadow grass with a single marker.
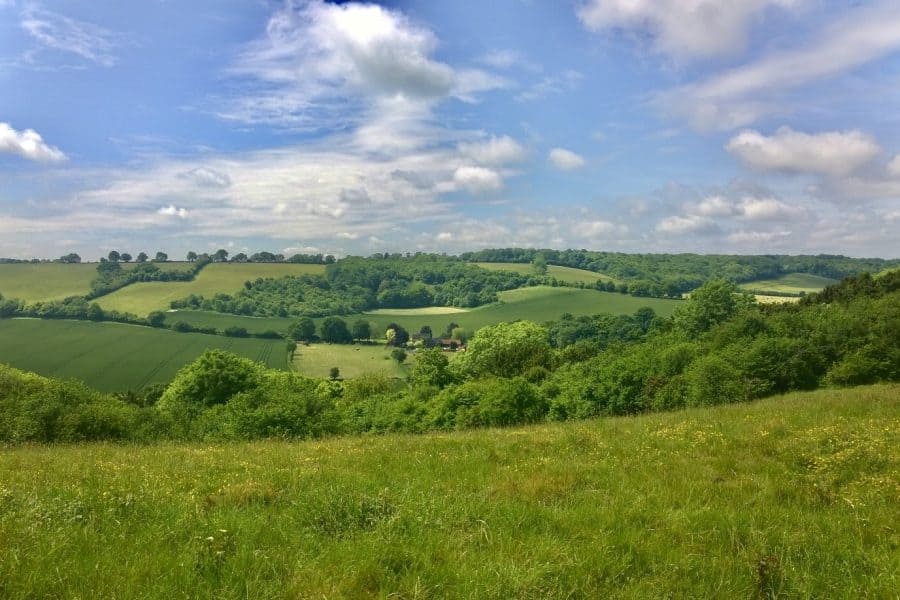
(353, 360)
(114, 356)
(795, 496)
(535, 304)
(143, 298)
(32, 282)
(790, 283)
(423, 311)
(45, 281)
(566, 274)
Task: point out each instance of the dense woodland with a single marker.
(719, 347)
(353, 285)
(671, 275)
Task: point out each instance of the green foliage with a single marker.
(712, 303)
(506, 350)
(361, 330)
(488, 402)
(36, 409)
(303, 330)
(211, 379)
(334, 331)
(431, 369)
(670, 275)
(398, 354)
(355, 285)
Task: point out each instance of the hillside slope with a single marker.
(794, 496)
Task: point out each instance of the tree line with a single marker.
(719, 347)
(354, 285)
(671, 275)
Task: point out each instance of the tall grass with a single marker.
(795, 496)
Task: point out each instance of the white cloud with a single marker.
(893, 167)
(502, 59)
(740, 96)
(757, 237)
(495, 151)
(714, 206)
(323, 64)
(206, 177)
(478, 179)
(172, 211)
(682, 28)
(679, 225)
(565, 160)
(832, 153)
(28, 144)
(768, 209)
(551, 85)
(65, 34)
(595, 228)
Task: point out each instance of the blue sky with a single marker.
(753, 126)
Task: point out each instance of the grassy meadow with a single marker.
(114, 356)
(565, 274)
(144, 298)
(31, 282)
(791, 283)
(536, 304)
(794, 496)
(353, 360)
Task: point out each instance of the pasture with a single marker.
(791, 283)
(32, 282)
(143, 298)
(536, 304)
(793, 496)
(564, 274)
(353, 360)
(114, 356)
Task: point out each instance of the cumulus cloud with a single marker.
(682, 28)
(739, 96)
(478, 179)
(679, 225)
(832, 153)
(565, 160)
(768, 209)
(28, 144)
(714, 206)
(59, 32)
(172, 211)
(322, 61)
(494, 151)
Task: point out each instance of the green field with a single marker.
(116, 357)
(226, 278)
(792, 497)
(536, 304)
(45, 281)
(565, 274)
(792, 283)
(353, 360)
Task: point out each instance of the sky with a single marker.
(749, 126)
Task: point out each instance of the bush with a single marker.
(212, 379)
